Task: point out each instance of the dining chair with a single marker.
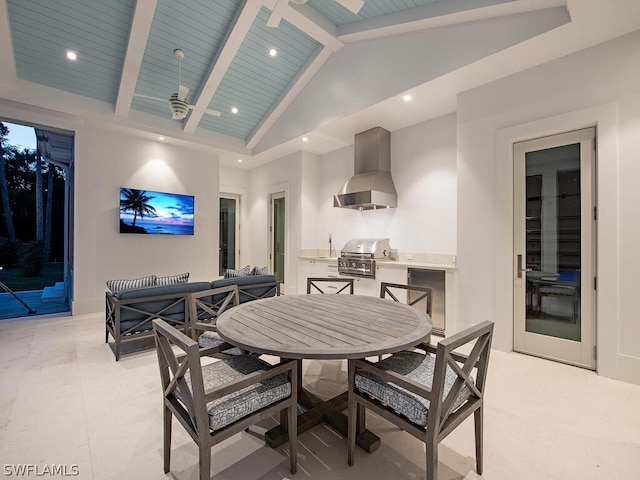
(329, 285)
(213, 401)
(402, 293)
(424, 395)
(204, 309)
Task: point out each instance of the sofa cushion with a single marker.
(116, 286)
(173, 279)
(130, 318)
(242, 281)
(260, 270)
(163, 290)
(246, 292)
(241, 272)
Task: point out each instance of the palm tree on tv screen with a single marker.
(136, 201)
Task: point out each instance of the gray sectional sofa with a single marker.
(129, 311)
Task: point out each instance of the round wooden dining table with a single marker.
(331, 326)
(324, 326)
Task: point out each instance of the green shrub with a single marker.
(31, 261)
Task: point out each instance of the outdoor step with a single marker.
(52, 294)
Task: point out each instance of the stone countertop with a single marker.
(426, 261)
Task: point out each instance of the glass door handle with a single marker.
(520, 269)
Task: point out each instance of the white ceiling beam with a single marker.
(307, 72)
(140, 28)
(245, 16)
(310, 21)
(438, 14)
(318, 27)
(8, 72)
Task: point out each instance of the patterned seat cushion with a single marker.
(225, 410)
(211, 339)
(414, 366)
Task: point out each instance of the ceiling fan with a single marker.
(178, 102)
(281, 5)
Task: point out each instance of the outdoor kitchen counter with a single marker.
(422, 260)
(317, 263)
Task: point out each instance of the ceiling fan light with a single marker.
(179, 108)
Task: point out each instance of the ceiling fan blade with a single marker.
(182, 92)
(215, 113)
(149, 97)
(353, 5)
(277, 13)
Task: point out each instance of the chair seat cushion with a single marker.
(414, 366)
(225, 410)
(211, 339)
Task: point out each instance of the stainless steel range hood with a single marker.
(372, 186)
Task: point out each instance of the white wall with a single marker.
(597, 86)
(423, 167)
(283, 175)
(106, 160)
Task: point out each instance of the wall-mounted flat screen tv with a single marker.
(155, 213)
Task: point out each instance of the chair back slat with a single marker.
(174, 366)
(390, 290)
(323, 284)
(480, 335)
(207, 305)
(257, 291)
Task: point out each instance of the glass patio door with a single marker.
(228, 244)
(278, 222)
(554, 247)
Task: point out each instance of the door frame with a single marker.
(581, 353)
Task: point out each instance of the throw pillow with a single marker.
(241, 272)
(173, 279)
(117, 286)
(260, 270)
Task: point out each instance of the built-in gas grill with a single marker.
(358, 256)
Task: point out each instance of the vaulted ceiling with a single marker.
(333, 71)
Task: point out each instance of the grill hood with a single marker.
(371, 186)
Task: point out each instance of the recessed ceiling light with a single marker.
(273, 52)
(239, 160)
(161, 138)
(71, 55)
(234, 109)
(407, 98)
(305, 139)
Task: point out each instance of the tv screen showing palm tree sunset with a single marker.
(155, 213)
